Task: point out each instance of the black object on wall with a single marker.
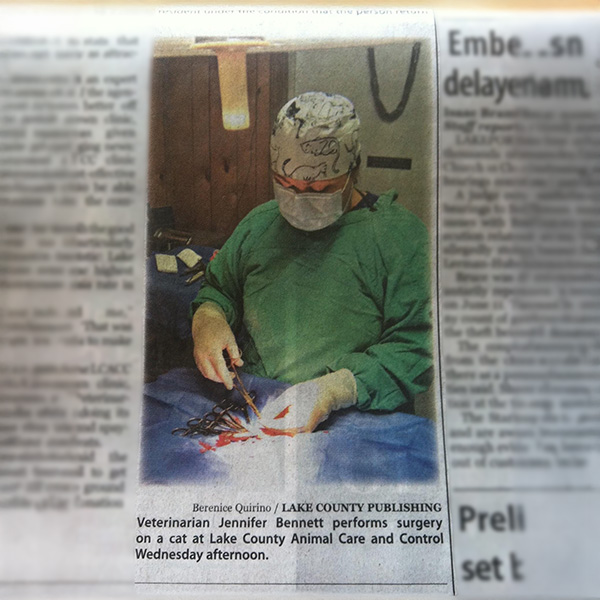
(382, 112)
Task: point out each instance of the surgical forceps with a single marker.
(216, 421)
(219, 419)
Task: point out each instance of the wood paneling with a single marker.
(156, 159)
(211, 177)
(201, 211)
(178, 147)
(264, 122)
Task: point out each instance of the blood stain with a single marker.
(284, 412)
(206, 447)
(275, 432)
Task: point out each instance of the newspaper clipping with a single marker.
(299, 301)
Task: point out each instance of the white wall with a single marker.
(345, 71)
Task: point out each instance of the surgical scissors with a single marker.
(249, 397)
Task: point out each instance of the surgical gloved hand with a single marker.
(303, 406)
(212, 335)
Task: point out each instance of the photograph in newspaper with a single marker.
(289, 325)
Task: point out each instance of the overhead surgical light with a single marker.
(233, 81)
(231, 56)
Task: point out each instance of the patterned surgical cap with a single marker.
(315, 137)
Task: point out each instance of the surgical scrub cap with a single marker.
(315, 137)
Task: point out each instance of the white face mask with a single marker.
(311, 211)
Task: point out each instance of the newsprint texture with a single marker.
(299, 302)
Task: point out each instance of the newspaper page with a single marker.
(73, 156)
(383, 381)
(519, 288)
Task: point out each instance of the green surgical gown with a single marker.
(354, 295)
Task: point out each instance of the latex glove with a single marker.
(212, 335)
(303, 406)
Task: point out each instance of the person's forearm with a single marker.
(212, 335)
(204, 311)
